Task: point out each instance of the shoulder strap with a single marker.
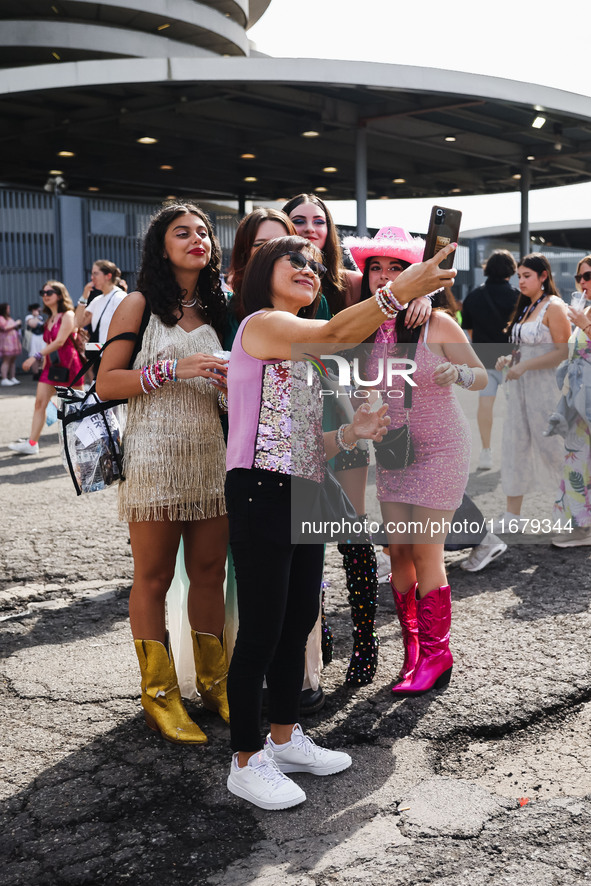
(412, 351)
(136, 337)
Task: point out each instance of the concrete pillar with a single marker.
(71, 232)
(524, 232)
(361, 180)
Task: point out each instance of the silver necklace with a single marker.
(189, 304)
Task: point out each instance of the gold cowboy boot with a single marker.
(211, 669)
(161, 697)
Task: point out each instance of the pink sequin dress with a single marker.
(439, 430)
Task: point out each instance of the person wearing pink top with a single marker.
(10, 345)
(278, 577)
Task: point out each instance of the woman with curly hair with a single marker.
(60, 346)
(174, 458)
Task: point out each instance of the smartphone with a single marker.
(444, 228)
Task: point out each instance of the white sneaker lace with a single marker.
(267, 769)
(306, 744)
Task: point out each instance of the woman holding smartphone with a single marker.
(279, 604)
(427, 491)
(174, 458)
(342, 287)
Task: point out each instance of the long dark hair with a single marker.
(64, 301)
(538, 263)
(402, 333)
(334, 282)
(156, 280)
(257, 292)
(246, 235)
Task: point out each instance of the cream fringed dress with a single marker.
(173, 448)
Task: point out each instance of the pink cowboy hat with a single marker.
(390, 241)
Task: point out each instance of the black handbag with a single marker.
(395, 450)
(56, 372)
(334, 503)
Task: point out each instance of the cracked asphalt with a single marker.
(488, 782)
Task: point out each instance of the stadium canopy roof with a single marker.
(382, 130)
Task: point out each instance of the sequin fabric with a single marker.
(289, 435)
(439, 429)
(360, 566)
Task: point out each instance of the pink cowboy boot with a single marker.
(433, 670)
(406, 609)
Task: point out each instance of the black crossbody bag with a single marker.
(396, 451)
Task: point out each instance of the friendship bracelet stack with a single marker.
(465, 377)
(223, 401)
(387, 301)
(340, 440)
(157, 374)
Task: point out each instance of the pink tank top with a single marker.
(274, 415)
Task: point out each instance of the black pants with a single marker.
(278, 588)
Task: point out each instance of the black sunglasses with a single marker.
(586, 277)
(299, 262)
(43, 292)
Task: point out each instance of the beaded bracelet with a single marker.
(392, 300)
(223, 401)
(585, 328)
(384, 305)
(340, 440)
(157, 374)
(465, 377)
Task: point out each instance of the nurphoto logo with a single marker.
(349, 380)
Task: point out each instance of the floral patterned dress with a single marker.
(574, 496)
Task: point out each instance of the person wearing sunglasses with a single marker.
(58, 335)
(571, 503)
(278, 580)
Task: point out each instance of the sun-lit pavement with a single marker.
(486, 783)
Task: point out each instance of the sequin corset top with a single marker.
(289, 421)
(275, 416)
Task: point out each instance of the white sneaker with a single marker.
(23, 447)
(485, 460)
(301, 754)
(14, 381)
(488, 550)
(508, 524)
(261, 783)
(573, 539)
(6, 383)
(384, 565)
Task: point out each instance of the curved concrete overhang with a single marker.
(166, 10)
(257, 8)
(291, 71)
(97, 38)
(205, 25)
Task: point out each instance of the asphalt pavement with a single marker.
(488, 782)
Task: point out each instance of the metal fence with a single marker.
(44, 236)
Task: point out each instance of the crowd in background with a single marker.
(209, 461)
